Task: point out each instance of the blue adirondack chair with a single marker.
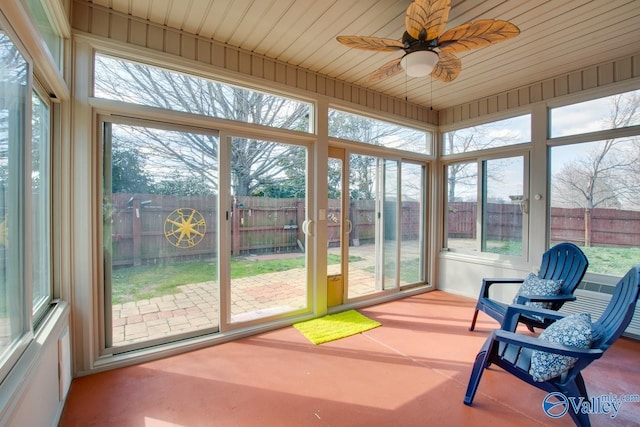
(513, 352)
(564, 261)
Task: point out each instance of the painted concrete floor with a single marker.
(411, 371)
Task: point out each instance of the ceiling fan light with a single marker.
(419, 63)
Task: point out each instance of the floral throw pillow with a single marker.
(535, 286)
(575, 330)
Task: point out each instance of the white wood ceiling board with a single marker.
(325, 59)
(556, 37)
(252, 25)
(209, 23)
(325, 30)
(310, 26)
(140, 8)
(534, 59)
(123, 5)
(234, 21)
(279, 36)
(347, 60)
(195, 16)
(158, 11)
(265, 22)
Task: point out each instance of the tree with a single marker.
(467, 140)
(607, 174)
(252, 161)
(362, 177)
(127, 172)
(13, 80)
(184, 186)
(292, 183)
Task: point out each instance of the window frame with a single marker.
(40, 311)
(192, 73)
(486, 121)
(430, 134)
(42, 79)
(583, 138)
(479, 157)
(10, 356)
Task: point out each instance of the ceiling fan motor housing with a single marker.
(413, 45)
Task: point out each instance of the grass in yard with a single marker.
(144, 282)
(409, 270)
(504, 247)
(613, 261)
(150, 281)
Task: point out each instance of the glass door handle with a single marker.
(305, 227)
(349, 225)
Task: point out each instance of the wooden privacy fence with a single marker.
(142, 232)
(145, 228)
(138, 224)
(595, 227)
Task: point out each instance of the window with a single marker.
(40, 205)
(160, 216)
(142, 84)
(25, 215)
(502, 133)
(462, 206)
(503, 206)
(14, 83)
(48, 32)
(611, 112)
(594, 183)
(594, 201)
(376, 132)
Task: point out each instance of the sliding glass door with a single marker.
(267, 219)
(160, 192)
(379, 220)
(170, 271)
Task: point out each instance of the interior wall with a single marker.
(33, 394)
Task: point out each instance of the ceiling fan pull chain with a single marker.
(431, 95)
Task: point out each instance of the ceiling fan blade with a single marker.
(475, 35)
(389, 69)
(371, 43)
(447, 68)
(428, 15)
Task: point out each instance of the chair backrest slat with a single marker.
(564, 261)
(617, 316)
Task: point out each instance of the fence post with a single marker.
(587, 227)
(136, 226)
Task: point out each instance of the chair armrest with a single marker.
(545, 298)
(486, 283)
(514, 311)
(535, 343)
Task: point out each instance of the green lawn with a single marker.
(136, 283)
(613, 261)
(409, 270)
(149, 281)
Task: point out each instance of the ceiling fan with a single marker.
(427, 49)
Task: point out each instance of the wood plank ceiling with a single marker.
(557, 36)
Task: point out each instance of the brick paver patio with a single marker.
(196, 306)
